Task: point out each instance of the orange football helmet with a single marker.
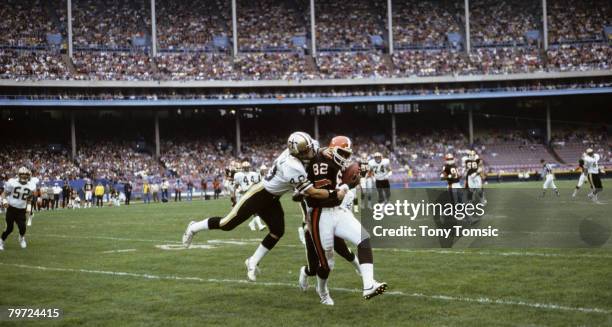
(342, 149)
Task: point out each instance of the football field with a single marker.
(125, 266)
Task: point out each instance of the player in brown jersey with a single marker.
(329, 220)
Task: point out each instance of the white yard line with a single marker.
(480, 300)
(251, 241)
(119, 251)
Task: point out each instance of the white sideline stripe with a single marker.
(480, 300)
(234, 241)
(119, 251)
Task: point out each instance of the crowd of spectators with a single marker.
(30, 64)
(568, 57)
(412, 29)
(351, 65)
(184, 24)
(495, 22)
(108, 23)
(110, 65)
(269, 24)
(418, 155)
(577, 21)
(347, 25)
(194, 38)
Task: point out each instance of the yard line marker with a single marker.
(480, 300)
(250, 241)
(119, 251)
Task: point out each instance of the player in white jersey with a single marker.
(243, 181)
(366, 183)
(16, 196)
(549, 178)
(286, 174)
(583, 177)
(591, 164)
(381, 168)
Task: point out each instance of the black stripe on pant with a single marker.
(14, 215)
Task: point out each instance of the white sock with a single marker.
(322, 285)
(200, 225)
(258, 255)
(258, 222)
(367, 275)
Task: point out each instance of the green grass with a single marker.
(67, 265)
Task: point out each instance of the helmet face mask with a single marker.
(378, 157)
(24, 175)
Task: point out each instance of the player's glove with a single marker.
(4, 203)
(297, 197)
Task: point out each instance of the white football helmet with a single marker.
(24, 175)
(302, 146)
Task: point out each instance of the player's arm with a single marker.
(322, 194)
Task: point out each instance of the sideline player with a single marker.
(88, 191)
(16, 195)
(473, 177)
(243, 180)
(365, 183)
(450, 174)
(583, 177)
(591, 162)
(549, 178)
(381, 168)
(329, 219)
(287, 173)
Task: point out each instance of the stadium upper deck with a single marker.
(207, 40)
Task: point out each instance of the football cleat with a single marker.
(22, 242)
(325, 298)
(376, 289)
(252, 225)
(251, 271)
(1, 245)
(303, 281)
(262, 227)
(188, 235)
(29, 220)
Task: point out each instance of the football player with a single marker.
(583, 177)
(287, 173)
(15, 198)
(549, 178)
(381, 169)
(591, 162)
(473, 177)
(228, 182)
(365, 181)
(88, 191)
(329, 219)
(450, 174)
(243, 180)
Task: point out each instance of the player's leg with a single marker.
(597, 187)
(20, 220)
(381, 193)
(581, 180)
(273, 215)
(10, 220)
(312, 261)
(249, 204)
(322, 223)
(387, 190)
(546, 185)
(343, 250)
(350, 229)
(554, 186)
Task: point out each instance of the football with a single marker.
(351, 175)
